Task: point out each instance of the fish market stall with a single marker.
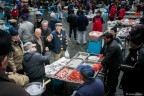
(66, 69)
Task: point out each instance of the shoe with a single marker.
(84, 43)
(78, 43)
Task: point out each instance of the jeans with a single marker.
(72, 28)
(83, 35)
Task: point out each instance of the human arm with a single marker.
(11, 62)
(138, 66)
(108, 55)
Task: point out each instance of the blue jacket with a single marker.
(93, 87)
(57, 44)
(82, 23)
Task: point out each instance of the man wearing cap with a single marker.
(16, 56)
(7, 86)
(34, 62)
(59, 41)
(91, 85)
(133, 67)
(37, 24)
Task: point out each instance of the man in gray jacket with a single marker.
(34, 63)
(25, 30)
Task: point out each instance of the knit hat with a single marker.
(86, 71)
(13, 31)
(28, 45)
(136, 39)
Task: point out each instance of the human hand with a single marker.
(49, 38)
(14, 70)
(46, 49)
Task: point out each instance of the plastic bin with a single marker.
(94, 47)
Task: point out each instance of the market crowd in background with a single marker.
(30, 45)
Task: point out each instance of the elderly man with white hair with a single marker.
(53, 21)
(38, 40)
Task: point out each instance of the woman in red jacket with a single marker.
(112, 12)
(121, 13)
(98, 22)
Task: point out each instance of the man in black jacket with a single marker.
(82, 23)
(72, 23)
(7, 86)
(33, 63)
(112, 60)
(133, 67)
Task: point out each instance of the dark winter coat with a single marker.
(72, 19)
(93, 87)
(82, 22)
(133, 69)
(33, 64)
(33, 39)
(112, 55)
(52, 23)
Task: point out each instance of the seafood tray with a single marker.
(52, 69)
(75, 77)
(63, 73)
(81, 55)
(74, 63)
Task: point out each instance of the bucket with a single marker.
(35, 88)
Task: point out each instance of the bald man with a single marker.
(36, 39)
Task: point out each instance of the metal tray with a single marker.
(81, 55)
(74, 63)
(90, 63)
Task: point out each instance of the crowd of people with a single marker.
(27, 48)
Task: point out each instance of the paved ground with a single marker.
(73, 48)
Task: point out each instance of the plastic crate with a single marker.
(94, 47)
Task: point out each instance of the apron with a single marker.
(97, 26)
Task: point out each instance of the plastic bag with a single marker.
(67, 54)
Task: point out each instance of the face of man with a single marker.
(15, 38)
(58, 28)
(39, 19)
(38, 33)
(112, 32)
(106, 40)
(44, 26)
